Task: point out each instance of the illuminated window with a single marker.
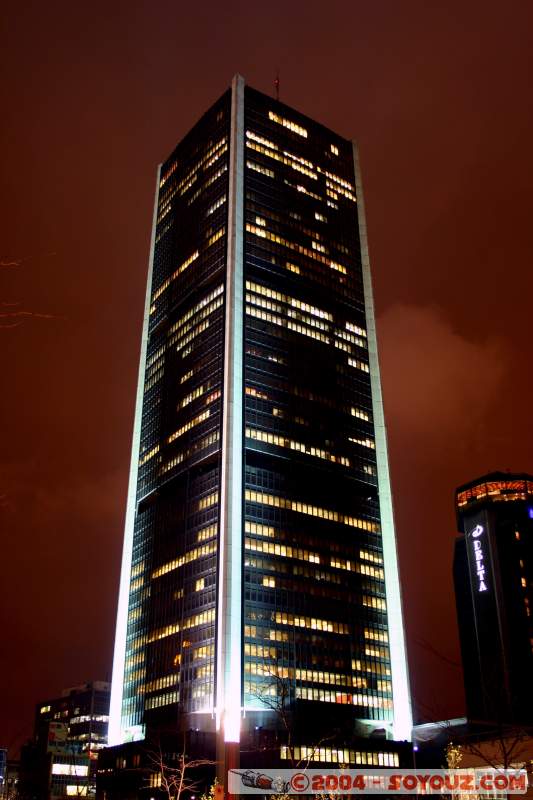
(313, 511)
(290, 444)
(334, 150)
(70, 769)
(199, 585)
(190, 555)
(45, 709)
(286, 123)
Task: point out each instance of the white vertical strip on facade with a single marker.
(115, 735)
(402, 727)
(229, 633)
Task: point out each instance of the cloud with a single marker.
(439, 386)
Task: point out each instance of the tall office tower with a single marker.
(259, 547)
(493, 574)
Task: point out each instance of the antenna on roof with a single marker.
(276, 83)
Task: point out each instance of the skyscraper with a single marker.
(259, 544)
(493, 574)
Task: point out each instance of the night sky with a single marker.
(94, 96)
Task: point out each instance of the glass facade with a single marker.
(314, 594)
(311, 588)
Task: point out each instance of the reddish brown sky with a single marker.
(94, 96)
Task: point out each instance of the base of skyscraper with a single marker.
(136, 770)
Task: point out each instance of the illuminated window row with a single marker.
(352, 566)
(286, 158)
(305, 675)
(206, 161)
(154, 377)
(355, 329)
(373, 667)
(285, 551)
(354, 362)
(330, 755)
(284, 323)
(199, 309)
(203, 618)
(137, 569)
(206, 533)
(265, 291)
(134, 660)
(214, 177)
(204, 672)
(377, 652)
(204, 443)
(209, 158)
(334, 190)
(374, 602)
(333, 182)
(188, 425)
(262, 530)
(370, 443)
(304, 190)
(339, 181)
(147, 456)
(331, 678)
(360, 413)
(311, 623)
(136, 675)
(186, 558)
(186, 336)
(134, 614)
(349, 337)
(70, 769)
(313, 511)
(305, 251)
(194, 395)
(216, 236)
(286, 123)
(136, 583)
(162, 700)
(205, 651)
(168, 225)
(159, 683)
(260, 651)
(171, 170)
(309, 323)
(290, 444)
(253, 392)
(260, 168)
(322, 695)
(217, 204)
(182, 267)
(208, 501)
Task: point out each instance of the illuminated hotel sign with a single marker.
(479, 556)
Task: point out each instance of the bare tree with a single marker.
(276, 696)
(173, 774)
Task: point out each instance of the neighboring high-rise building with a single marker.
(260, 554)
(493, 574)
(69, 732)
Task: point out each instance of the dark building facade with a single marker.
(260, 553)
(493, 575)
